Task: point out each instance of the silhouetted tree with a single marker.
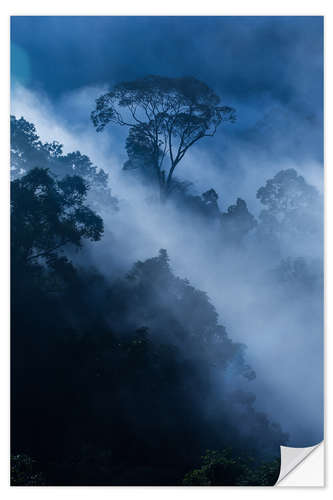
(140, 155)
(47, 214)
(124, 383)
(23, 471)
(27, 151)
(26, 148)
(293, 209)
(225, 468)
(166, 117)
(237, 221)
(286, 193)
(210, 198)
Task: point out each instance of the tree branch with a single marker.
(47, 252)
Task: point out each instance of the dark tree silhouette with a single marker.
(27, 151)
(223, 468)
(166, 117)
(114, 380)
(47, 214)
(237, 221)
(26, 148)
(140, 155)
(122, 380)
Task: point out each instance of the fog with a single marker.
(280, 322)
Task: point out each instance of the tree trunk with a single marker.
(163, 186)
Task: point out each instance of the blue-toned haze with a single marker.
(271, 70)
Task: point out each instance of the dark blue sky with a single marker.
(269, 68)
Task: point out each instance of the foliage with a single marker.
(23, 472)
(47, 214)
(140, 155)
(123, 359)
(292, 205)
(265, 474)
(222, 468)
(292, 218)
(218, 469)
(124, 380)
(233, 225)
(26, 147)
(28, 152)
(237, 221)
(166, 116)
(287, 192)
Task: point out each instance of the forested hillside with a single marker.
(130, 371)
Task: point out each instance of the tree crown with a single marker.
(47, 214)
(166, 116)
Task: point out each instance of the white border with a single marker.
(132, 7)
(308, 471)
(171, 8)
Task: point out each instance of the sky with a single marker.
(269, 68)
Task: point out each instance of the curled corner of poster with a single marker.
(302, 466)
